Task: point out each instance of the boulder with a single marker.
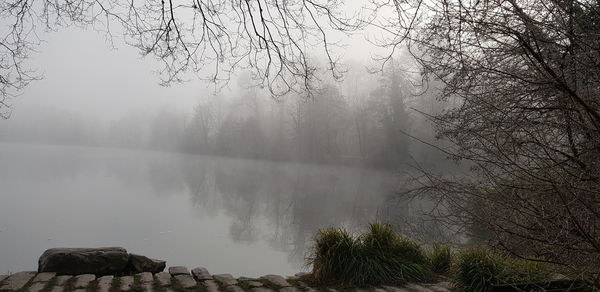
(140, 264)
(78, 261)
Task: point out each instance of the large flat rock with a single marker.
(185, 280)
(43, 277)
(139, 264)
(178, 270)
(77, 261)
(37, 287)
(211, 286)
(16, 281)
(126, 283)
(82, 281)
(163, 278)
(226, 279)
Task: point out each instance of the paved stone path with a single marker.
(179, 279)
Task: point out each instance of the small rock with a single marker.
(78, 261)
(16, 281)
(276, 280)
(234, 288)
(43, 277)
(163, 278)
(147, 287)
(126, 283)
(254, 284)
(178, 270)
(186, 280)
(146, 277)
(82, 281)
(211, 286)
(201, 274)
(226, 279)
(104, 283)
(61, 280)
(37, 287)
(139, 264)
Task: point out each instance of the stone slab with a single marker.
(16, 281)
(146, 277)
(147, 287)
(82, 281)
(234, 288)
(186, 281)
(104, 283)
(61, 280)
(276, 280)
(416, 288)
(37, 287)
(226, 279)
(126, 283)
(201, 274)
(261, 289)
(178, 270)
(163, 278)
(254, 284)
(43, 277)
(211, 286)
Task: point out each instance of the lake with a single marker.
(244, 217)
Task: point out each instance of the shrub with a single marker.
(440, 259)
(376, 257)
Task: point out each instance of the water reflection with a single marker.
(190, 210)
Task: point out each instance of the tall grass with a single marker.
(478, 269)
(440, 259)
(378, 256)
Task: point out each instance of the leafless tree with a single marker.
(527, 74)
(274, 39)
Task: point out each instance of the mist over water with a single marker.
(239, 216)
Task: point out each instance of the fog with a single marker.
(98, 153)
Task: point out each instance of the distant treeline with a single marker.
(368, 120)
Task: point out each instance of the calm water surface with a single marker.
(243, 217)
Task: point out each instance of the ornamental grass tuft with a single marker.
(376, 257)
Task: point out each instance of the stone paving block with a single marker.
(276, 280)
(211, 286)
(394, 289)
(416, 288)
(163, 278)
(57, 289)
(289, 289)
(43, 277)
(37, 287)
(82, 281)
(61, 280)
(146, 277)
(254, 284)
(104, 283)
(226, 279)
(147, 287)
(186, 281)
(201, 274)
(126, 283)
(234, 288)
(2, 277)
(178, 270)
(16, 281)
(261, 289)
